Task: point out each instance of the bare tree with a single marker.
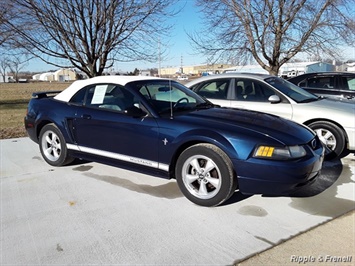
(6, 14)
(4, 66)
(90, 35)
(16, 64)
(273, 31)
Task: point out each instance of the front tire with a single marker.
(331, 136)
(205, 175)
(53, 146)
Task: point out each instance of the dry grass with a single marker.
(13, 103)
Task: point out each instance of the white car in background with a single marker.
(333, 121)
(183, 77)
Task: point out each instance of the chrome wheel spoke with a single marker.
(48, 139)
(191, 178)
(56, 153)
(213, 181)
(194, 163)
(49, 150)
(203, 189)
(328, 135)
(331, 143)
(209, 166)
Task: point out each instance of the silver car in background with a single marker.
(333, 121)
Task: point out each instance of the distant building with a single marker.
(347, 67)
(65, 74)
(320, 67)
(288, 70)
(49, 76)
(246, 69)
(36, 77)
(144, 73)
(61, 75)
(7, 79)
(196, 70)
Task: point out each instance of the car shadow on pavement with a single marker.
(168, 190)
(236, 197)
(327, 182)
(322, 197)
(330, 173)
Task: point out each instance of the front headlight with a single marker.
(279, 153)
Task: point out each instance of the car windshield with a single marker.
(166, 96)
(296, 93)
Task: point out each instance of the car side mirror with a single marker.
(135, 112)
(274, 99)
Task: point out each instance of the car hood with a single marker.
(341, 112)
(243, 121)
(332, 104)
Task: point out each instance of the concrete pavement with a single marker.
(332, 243)
(91, 213)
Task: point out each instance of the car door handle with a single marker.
(84, 116)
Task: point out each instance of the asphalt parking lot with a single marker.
(89, 213)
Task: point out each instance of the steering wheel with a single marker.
(180, 100)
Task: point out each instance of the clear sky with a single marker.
(179, 50)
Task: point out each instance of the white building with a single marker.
(61, 75)
(65, 74)
(295, 69)
(246, 69)
(7, 79)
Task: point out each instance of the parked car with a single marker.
(160, 127)
(337, 85)
(333, 121)
(183, 77)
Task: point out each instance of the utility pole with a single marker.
(159, 59)
(181, 69)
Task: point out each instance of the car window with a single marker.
(249, 90)
(109, 97)
(349, 83)
(79, 97)
(216, 89)
(321, 82)
(164, 96)
(289, 89)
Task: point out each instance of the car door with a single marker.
(254, 95)
(103, 127)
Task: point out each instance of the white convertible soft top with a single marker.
(68, 93)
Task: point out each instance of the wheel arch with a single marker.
(40, 125)
(218, 140)
(63, 127)
(308, 122)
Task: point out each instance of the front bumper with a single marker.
(351, 138)
(277, 178)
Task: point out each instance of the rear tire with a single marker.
(53, 146)
(205, 175)
(331, 136)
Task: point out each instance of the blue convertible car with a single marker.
(160, 127)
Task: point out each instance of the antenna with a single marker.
(171, 100)
(159, 58)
